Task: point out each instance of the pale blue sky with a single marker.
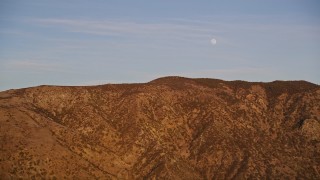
(88, 42)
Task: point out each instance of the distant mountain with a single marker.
(169, 128)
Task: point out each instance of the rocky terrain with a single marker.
(169, 128)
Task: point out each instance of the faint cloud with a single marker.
(33, 65)
(14, 32)
(121, 28)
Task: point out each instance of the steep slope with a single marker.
(172, 127)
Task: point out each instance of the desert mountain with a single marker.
(169, 128)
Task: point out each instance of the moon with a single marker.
(213, 41)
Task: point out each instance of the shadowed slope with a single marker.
(172, 127)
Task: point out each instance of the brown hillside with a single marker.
(169, 128)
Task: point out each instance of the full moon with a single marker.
(213, 41)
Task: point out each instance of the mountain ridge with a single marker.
(168, 78)
(171, 127)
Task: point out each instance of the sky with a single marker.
(88, 42)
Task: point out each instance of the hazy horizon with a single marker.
(97, 42)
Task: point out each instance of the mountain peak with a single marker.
(167, 79)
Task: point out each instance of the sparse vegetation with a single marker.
(171, 128)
